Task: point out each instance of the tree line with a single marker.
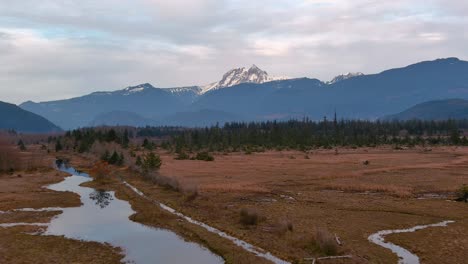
(295, 134)
(307, 134)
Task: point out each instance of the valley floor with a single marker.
(323, 189)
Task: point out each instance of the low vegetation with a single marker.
(205, 156)
(462, 194)
(17, 156)
(325, 242)
(249, 217)
(100, 171)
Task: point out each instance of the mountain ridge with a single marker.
(434, 110)
(365, 96)
(20, 120)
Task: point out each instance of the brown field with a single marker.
(398, 189)
(311, 191)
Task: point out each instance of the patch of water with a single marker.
(104, 218)
(404, 255)
(246, 246)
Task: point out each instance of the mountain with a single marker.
(434, 110)
(239, 76)
(364, 97)
(13, 117)
(121, 118)
(343, 77)
(252, 95)
(144, 100)
(200, 118)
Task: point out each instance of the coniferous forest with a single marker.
(294, 134)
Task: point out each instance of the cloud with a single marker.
(68, 48)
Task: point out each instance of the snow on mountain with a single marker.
(241, 75)
(343, 77)
(179, 90)
(136, 89)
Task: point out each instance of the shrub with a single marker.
(204, 156)
(164, 181)
(182, 156)
(100, 171)
(21, 145)
(151, 162)
(282, 227)
(138, 161)
(462, 194)
(249, 216)
(325, 241)
(9, 157)
(190, 191)
(58, 146)
(105, 156)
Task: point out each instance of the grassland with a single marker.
(318, 190)
(329, 190)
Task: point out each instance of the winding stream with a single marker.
(246, 246)
(404, 255)
(104, 218)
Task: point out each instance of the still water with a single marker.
(104, 218)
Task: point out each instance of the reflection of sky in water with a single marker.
(104, 218)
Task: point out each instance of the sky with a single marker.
(56, 49)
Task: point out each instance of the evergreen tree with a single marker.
(138, 161)
(58, 146)
(114, 158)
(120, 161)
(106, 156)
(21, 145)
(125, 139)
(151, 162)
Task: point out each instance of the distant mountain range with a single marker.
(13, 117)
(252, 95)
(434, 110)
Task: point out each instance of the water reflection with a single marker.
(109, 223)
(101, 197)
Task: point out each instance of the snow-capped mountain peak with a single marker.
(346, 76)
(136, 89)
(241, 75)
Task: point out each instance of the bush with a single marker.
(21, 145)
(325, 241)
(151, 162)
(462, 195)
(190, 191)
(58, 146)
(163, 181)
(138, 161)
(282, 227)
(249, 216)
(204, 156)
(182, 156)
(100, 171)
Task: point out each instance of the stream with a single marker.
(404, 255)
(104, 218)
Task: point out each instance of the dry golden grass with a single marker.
(336, 192)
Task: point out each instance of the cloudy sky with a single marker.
(54, 49)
